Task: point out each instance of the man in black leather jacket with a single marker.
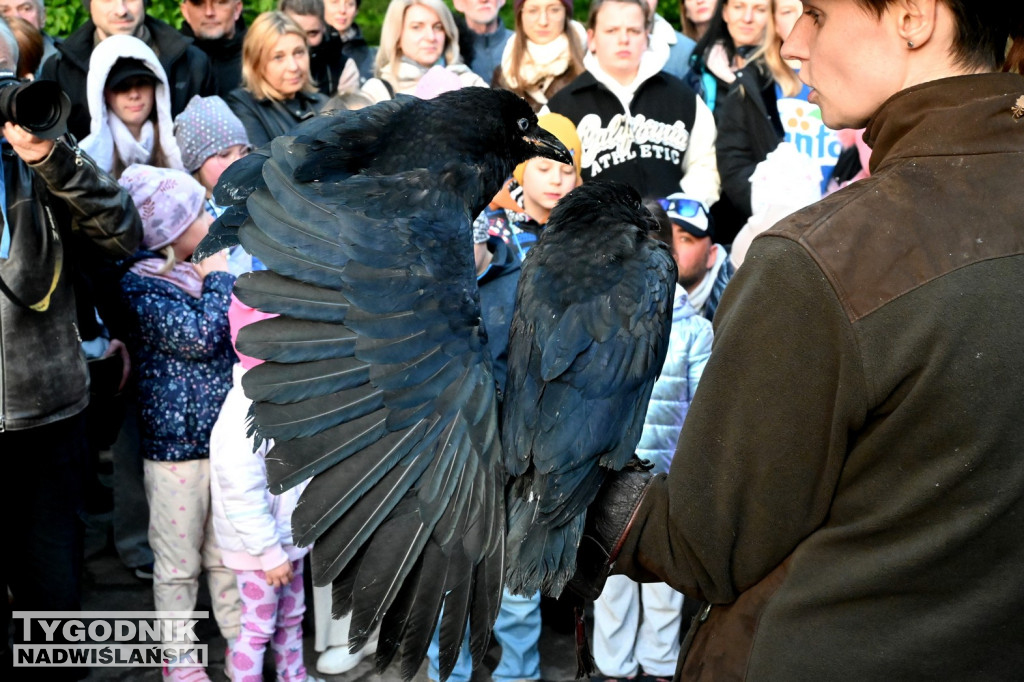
(51, 190)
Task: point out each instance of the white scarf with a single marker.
(541, 65)
(700, 295)
(130, 150)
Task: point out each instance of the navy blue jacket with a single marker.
(181, 346)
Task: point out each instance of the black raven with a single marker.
(589, 336)
(378, 381)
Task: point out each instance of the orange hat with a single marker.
(565, 131)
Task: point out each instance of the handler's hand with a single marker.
(280, 576)
(30, 148)
(609, 519)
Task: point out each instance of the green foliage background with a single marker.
(64, 16)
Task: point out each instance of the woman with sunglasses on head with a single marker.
(847, 489)
(544, 54)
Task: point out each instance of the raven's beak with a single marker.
(653, 226)
(547, 145)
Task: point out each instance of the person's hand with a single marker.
(280, 576)
(218, 262)
(116, 346)
(30, 148)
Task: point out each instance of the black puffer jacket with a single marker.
(188, 69)
(749, 128)
(327, 60)
(225, 55)
(265, 119)
(42, 370)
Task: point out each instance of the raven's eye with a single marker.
(523, 124)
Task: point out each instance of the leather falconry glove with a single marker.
(609, 519)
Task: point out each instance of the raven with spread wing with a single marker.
(378, 382)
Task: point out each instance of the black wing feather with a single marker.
(378, 386)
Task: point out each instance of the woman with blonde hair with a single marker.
(741, 66)
(416, 35)
(277, 92)
(544, 54)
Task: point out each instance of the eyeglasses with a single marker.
(684, 208)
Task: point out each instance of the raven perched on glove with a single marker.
(378, 379)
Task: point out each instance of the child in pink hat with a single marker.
(182, 352)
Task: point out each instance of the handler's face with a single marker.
(852, 59)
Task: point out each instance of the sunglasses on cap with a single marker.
(683, 207)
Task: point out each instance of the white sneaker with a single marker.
(337, 659)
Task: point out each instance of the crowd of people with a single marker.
(708, 120)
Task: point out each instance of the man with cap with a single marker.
(482, 35)
(50, 195)
(704, 267)
(187, 67)
(218, 29)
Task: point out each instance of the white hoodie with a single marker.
(100, 142)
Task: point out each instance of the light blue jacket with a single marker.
(689, 348)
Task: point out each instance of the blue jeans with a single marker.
(517, 630)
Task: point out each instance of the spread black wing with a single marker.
(378, 384)
(589, 337)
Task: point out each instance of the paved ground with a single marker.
(108, 585)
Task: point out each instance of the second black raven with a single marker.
(378, 382)
(588, 339)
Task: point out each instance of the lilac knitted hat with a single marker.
(205, 127)
(168, 202)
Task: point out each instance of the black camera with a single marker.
(39, 107)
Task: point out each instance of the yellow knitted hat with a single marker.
(565, 131)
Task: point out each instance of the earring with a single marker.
(910, 44)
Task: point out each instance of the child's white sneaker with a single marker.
(337, 659)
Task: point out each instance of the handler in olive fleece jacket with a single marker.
(848, 491)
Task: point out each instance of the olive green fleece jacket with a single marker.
(848, 489)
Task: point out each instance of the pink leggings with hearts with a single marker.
(270, 614)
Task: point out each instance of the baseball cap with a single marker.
(690, 214)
